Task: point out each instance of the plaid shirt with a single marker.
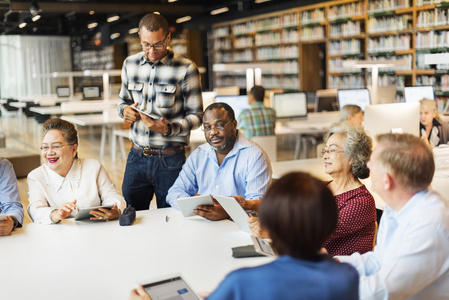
(169, 88)
(257, 121)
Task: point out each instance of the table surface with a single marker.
(102, 260)
(94, 119)
(315, 166)
(75, 107)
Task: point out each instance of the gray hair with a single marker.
(358, 147)
(348, 110)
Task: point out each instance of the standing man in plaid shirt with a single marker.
(167, 87)
(258, 120)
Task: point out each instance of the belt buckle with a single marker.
(148, 151)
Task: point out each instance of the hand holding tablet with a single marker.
(151, 115)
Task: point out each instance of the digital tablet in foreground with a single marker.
(152, 116)
(187, 205)
(84, 213)
(235, 211)
(170, 287)
(262, 246)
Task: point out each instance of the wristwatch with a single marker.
(16, 222)
(168, 133)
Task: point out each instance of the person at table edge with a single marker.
(227, 165)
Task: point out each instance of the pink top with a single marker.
(356, 223)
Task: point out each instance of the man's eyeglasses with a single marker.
(157, 46)
(220, 127)
(55, 147)
(330, 151)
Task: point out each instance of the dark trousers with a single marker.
(149, 175)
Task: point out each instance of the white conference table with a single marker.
(103, 260)
(107, 120)
(315, 166)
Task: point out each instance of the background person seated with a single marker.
(10, 202)
(352, 113)
(65, 182)
(433, 130)
(411, 257)
(299, 213)
(227, 165)
(258, 120)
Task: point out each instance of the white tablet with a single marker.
(187, 205)
(151, 115)
(235, 211)
(262, 246)
(2, 217)
(84, 213)
(169, 287)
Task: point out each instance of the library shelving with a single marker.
(339, 31)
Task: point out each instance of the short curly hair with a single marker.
(358, 147)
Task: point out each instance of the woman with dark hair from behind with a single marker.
(299, 213)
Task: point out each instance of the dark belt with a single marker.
(147, 151)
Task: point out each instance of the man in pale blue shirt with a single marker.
(10, 203)
(227, 165)
(411, 258)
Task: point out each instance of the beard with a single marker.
(230, 141)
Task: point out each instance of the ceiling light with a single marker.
(133, 30)
(172, 1)
(92, 25)
(115, 35)
(113, 18)
(219, 11)
(183, 19)
(91, 12)
(23, 24)
(261, 1)
(34, 8)
(35, 18)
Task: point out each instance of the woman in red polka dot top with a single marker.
(347, 151)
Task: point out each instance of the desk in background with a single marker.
(102, 260)
(107, 120)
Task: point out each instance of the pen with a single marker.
(167, 218)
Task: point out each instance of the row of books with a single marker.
(345, 29)
(386, 5)
(384, 80)
(389, 43)
(436, 17)
(432, 39)
(344, 47)
(347, 82)
(312, 33)
(389, 23)
(408, 58)
(267, 53)
(275, 82)
(346, 10)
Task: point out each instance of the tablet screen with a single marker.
(170, 289)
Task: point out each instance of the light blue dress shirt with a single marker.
(411, 258)
(245, 171)
(10, 203)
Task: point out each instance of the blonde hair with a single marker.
(432, 104)
(409, 160)
(348, 110)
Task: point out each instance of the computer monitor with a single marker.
(417, 93)
(290, 105)
(359, 97)
(63, 91)
(237, 102)
(91, 92)
(392, 117)
(326, 100)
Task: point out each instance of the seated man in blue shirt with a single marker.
(227, 165)
(10, 203)
(411, 258)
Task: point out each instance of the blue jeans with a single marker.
(148, 175)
